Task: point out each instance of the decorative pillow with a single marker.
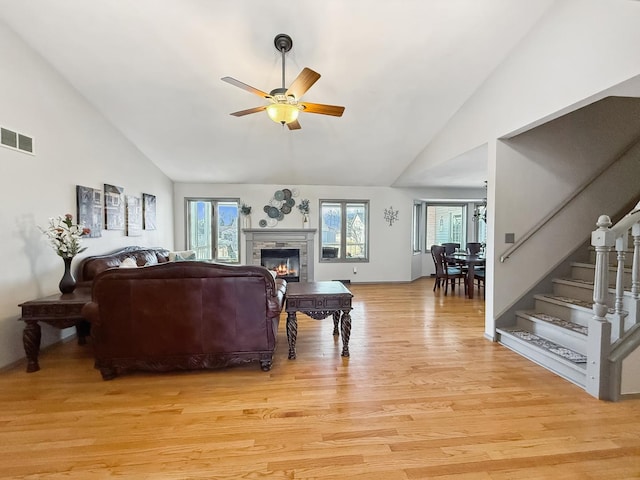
(128, 263)
(184, 255)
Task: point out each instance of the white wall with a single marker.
(630, 377)
(390, 246)
(74, 145)
(578, 50)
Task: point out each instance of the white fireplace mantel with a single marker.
(258, 238)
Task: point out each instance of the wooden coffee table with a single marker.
(319, 300)
(58, 310)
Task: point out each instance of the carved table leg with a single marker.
(336, 320)
(345, 325)
(83, 329)
(292, 333)
(31, 340)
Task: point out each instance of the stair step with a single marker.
(578, 281)
(586, 272)
(562, 300)
(558, 322)
(573, 288)
(557, 358)
(548, 345)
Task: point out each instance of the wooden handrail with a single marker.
(562, 205)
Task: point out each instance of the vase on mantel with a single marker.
(246, 221)
(305, 220)
(68, 282)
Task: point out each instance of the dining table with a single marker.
(471, 261)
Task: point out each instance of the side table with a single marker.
(58, 310)
(319, 300)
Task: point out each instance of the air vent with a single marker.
(15, 140)
(9, 138)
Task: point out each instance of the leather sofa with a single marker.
(183, 316)
(89, 267)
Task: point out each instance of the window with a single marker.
(344, 230)
(213, 229)
(446, 223)
(416, 227)
(480, 220)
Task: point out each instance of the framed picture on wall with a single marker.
(148, 211)
(114, 205)
(134, 216)
(89, 201)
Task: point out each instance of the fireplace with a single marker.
(285, 262)
(301, 239)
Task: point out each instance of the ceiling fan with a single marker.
(285, 104)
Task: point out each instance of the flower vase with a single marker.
(305, 220)
(246, 221)
(68, 282)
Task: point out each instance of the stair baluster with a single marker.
(618, 327)
(635, 272)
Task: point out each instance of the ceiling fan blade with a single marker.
(334, 110)
(303, 82)
(246, 87)
(242, 113)
(295, 125)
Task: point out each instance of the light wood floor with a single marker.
(423, 396)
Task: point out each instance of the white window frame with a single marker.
(214, 233)
(342, 256)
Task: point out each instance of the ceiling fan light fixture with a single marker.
(285, 102)
(283, 113)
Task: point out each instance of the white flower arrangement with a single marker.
(64, 236)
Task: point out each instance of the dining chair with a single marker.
(473, 248)
(478, 276)
(445, 273)
(450, 248)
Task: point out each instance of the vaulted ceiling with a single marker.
(401, 69)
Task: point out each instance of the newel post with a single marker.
(599, 337)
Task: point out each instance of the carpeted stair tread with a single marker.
(559, 322)
(589, 283)
(547, 345)
(570, 301)
(578, 280)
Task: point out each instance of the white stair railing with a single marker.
(601, 331)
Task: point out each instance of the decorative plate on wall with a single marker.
(273, 212)
(278, 206)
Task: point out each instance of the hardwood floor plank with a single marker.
(423, 396)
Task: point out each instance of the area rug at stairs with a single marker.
(548, 345)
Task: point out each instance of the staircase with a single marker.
(555, 332)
